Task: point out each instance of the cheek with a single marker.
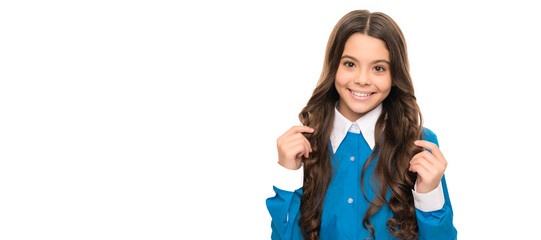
(341, 79)
(385, 85)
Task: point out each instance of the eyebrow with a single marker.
(373, 62)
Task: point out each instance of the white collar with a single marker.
(366, 124)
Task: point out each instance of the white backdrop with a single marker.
(158, 119)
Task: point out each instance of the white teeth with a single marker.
(361, 94)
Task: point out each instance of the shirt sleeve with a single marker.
(284, 207)
(437, 224)
(430, 201)
(287, 179)
(434, 222)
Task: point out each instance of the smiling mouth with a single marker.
(358, 94)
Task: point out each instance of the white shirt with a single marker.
(291, 180)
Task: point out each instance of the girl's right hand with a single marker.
(292, 145)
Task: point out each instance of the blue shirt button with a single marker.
(352, 158)
(350, 200)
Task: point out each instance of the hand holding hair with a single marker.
(292, 145)
(428, 166)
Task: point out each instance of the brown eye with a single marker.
(349, 64)
(379, 68)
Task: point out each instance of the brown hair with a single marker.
(398, 126)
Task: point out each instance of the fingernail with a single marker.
(417, 142)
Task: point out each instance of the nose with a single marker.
(363, 78)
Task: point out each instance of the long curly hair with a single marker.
(398, 126)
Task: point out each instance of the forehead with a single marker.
(364, 47)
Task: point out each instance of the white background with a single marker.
(158, 119)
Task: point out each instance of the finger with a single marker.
(293, 130)
(434, 168)
(430, 146)
(297, 150)
(429, 167)
(308, 145)
(300, 138)
(308, 148)
(424, 156)
(419, 169)
(426, 170)
(299, 129)
(291, 145)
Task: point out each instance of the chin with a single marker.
(361, 111)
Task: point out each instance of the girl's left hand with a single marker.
(428, 166)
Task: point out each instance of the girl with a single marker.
(357, 168)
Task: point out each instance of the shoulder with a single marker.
(429, 135)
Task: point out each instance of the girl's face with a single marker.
(363, 79)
